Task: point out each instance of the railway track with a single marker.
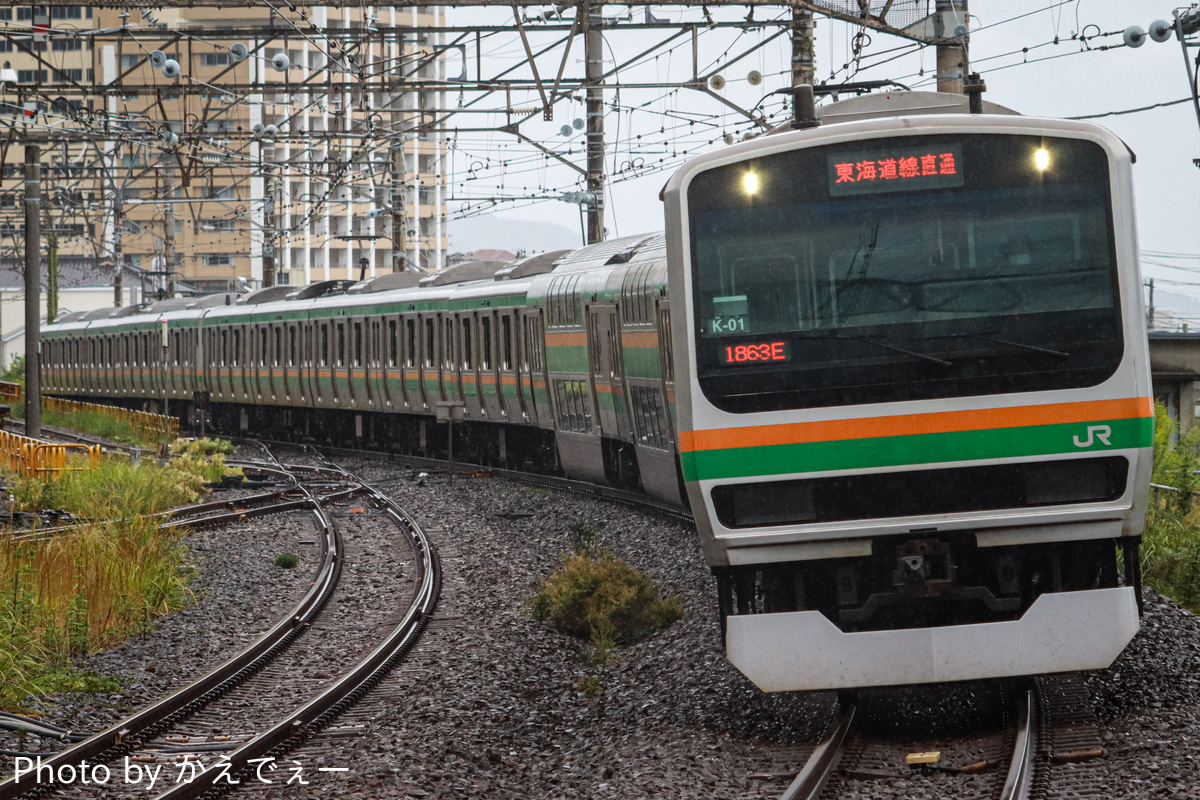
(340, 640)
(1049, 728)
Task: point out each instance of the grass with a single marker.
(90, 589)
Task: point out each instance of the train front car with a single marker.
(916, 430)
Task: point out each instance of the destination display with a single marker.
(899, 170)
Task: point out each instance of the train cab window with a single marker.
(468, 356)
(358, 344)
(506, 343)
(485, 343)
(970, 270)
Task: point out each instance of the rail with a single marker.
(27, 456)
(149, 424)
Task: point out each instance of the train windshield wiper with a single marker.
(1020, 346)
(892, 347)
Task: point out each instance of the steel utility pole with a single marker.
(397, 201)
(169, 237)
(118, 257)
(33, 290)
(593, 42)
(268, 227)
(952, 62)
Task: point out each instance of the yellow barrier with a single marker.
(149, 424)
(44, 459)
(11, 391)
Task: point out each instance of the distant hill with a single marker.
(498, 233)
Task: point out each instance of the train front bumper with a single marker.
(1061, 632)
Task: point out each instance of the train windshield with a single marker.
(904, 268)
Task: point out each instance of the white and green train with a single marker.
(896, 364)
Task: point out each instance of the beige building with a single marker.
(282, 141)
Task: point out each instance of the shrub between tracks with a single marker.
(598, 597)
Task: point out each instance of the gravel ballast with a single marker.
(493, 705)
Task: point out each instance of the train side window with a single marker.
(339, 353)
(506, 343)
(393, 343)
(262, 347)
(238, 358)
(485, 343)
(448, 345)
(324, 344)
(292, 346)
(358, 344)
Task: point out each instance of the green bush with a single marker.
(598, 597)
(287, 560)
(1170, 551)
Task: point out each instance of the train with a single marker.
(894, 363)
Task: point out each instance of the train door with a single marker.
(430, 358)
(393, 373)
(604, 353)
(536, 378)
(449, 375)
(512, 394)
(469, 347)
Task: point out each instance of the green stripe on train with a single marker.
(930, 448)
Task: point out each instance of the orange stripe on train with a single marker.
(915, 424)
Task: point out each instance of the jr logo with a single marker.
(1094, 432)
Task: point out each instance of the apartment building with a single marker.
(302, 146)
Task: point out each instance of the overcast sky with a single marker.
(1057, 80)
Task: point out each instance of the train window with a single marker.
(224, 347)
(506, 343)
(358, 344)
(649, 417)
(467, 352)
(448, 345)
(340, 353)
(324, 344)
(238, 356)
(292, 346)
(485, 343)
(574, 406)
(393, 343)
(278, 333)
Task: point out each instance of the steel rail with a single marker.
(127, 734)
(1019, 781)
(820, 766)
(292, 731)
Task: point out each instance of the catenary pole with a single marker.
(33, 290)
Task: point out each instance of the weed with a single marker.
(287, 560)
(590, 686)
(597, 595)
(581, 536)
